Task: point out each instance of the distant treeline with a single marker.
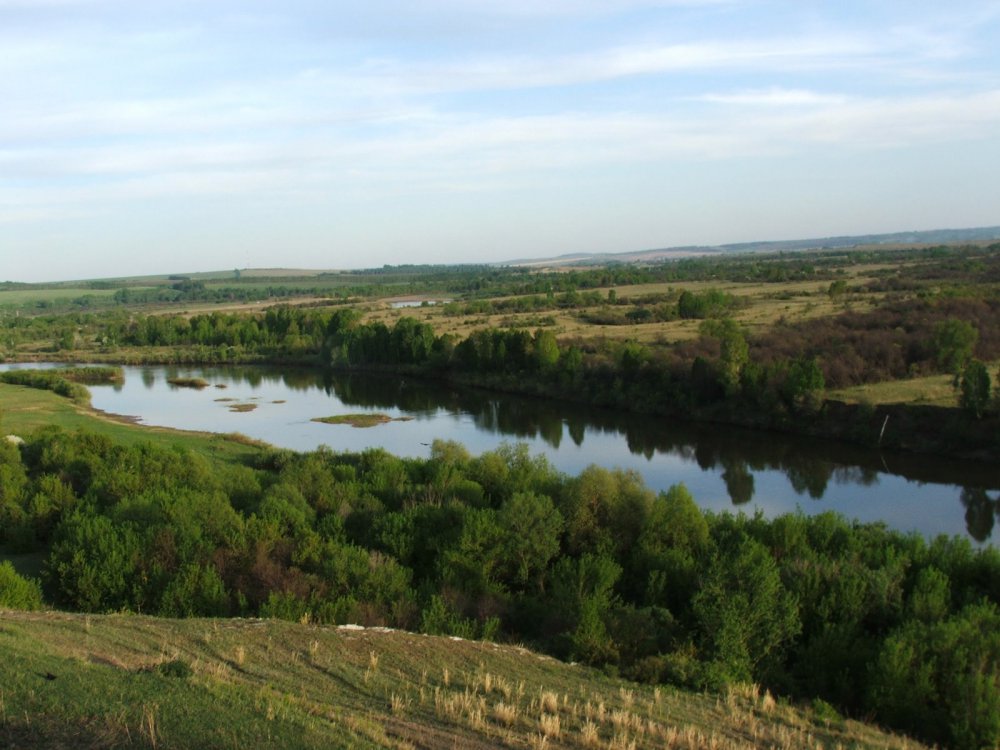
(958, 264)
(594, 568)
(771, 376)
(775, 379)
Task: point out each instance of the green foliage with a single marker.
(930, 599)
(745, 615)
(734, 351)
(196, 590)
(583, 592)
(942, 679)
(710, 303)
(439, 619)
(975, 388)
(954, 341)
(593, 567)
(546, 350)
(804, 384)
(670, 549)
(17, 592)
(47, 380)
(93, 565)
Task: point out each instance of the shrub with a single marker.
(17, 592)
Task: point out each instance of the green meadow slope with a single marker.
(74, 681)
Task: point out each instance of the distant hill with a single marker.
(895, 239)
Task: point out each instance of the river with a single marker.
(725, 468)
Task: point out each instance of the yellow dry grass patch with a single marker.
(762, 305)
(304, 685)
(932, 390)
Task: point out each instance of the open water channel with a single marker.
(726, 469)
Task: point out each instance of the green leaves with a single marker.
(942, 679)
(744, 612)
(953, 343)
(17, 592)
(975, 388)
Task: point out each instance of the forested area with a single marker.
(774, 379)
(592, 568)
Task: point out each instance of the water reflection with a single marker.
(739, 481)
(980, 512)
(725, 467)
(810, 465)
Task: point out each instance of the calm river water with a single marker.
(726, 469)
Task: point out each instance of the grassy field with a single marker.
(935, 390)
(69, 681)
(762, 305)
(19, 297)
(930, 390)
(24, 410)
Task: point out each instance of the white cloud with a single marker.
(465, 152)
(776, 97)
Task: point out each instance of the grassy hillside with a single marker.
(24, 410)
(71, 680)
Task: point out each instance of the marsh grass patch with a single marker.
(360, 420)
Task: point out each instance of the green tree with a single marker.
(546, 350)
(734, 353)
(475, 563)
(743, 610)
(975, 388)
(17, 592)
(954, 341)
(93, 565)
(941, 679)
(532, 528)
(196, 590)
(804, 384)
(583, 595)
(667, 554)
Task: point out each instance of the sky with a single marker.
(146, 136)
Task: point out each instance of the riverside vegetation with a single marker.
(855, 619)
(595, 568)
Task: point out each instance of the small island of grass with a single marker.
(360, 420)
(198, 383)
(242, 407)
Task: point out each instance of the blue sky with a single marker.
(157, 137)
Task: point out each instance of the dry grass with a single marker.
(280, 684)
(762, 305)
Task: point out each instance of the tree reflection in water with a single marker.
(980, 512)
(740, 458)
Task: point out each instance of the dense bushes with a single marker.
(895, 341)
(594, 568)
(17, 592)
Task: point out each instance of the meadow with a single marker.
(72, 680)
